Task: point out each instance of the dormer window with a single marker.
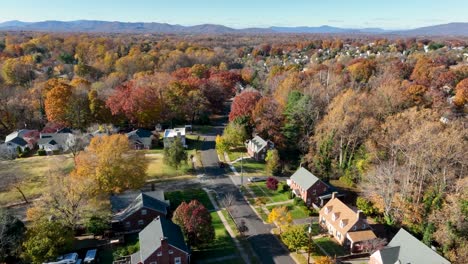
(342, 224)
(334, 216)
(143, 212)
(159, 253)
(327, 210)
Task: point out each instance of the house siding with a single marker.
(165, 257)
(311, 195)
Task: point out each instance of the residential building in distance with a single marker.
(347, 226)
(140, 138)
(171, 134)
(405, 248)
(132, 211)
(257, 148)
(161, 241)
(59, 141)
(307, 186)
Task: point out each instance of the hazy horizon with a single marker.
(394, 15)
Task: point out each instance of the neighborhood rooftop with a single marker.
(259, 143)
(304, 178)
(179, 131)
(150, 200)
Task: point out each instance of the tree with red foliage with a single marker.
(268, 119)
(272, 183)
(195, 221)
(140, 100)
(243, 104)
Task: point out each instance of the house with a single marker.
(171, 134)
(347, 226)
(23, 138)
(161, 241)
(16, 143)
(307, 186)
(405, 248)
(58, 141)
(257, 147)
(133, 211)
(140, 138)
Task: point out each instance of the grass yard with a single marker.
(222, 246)
(297, 212)
(30, 174)
(237, 153)
(260, 190)
(157, 169)
(330, 246)
(177, 197)
(251, 167)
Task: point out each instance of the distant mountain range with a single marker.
(94, 26)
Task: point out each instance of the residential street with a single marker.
(265, 245)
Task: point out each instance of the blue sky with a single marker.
(390, 14)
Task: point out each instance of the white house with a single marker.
(140, 138)
(58, 141)
(171, 134)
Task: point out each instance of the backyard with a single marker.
(330, 246)
(177, 197)
(30, 175)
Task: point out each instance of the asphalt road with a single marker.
(265, 245)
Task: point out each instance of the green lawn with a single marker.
(297, 212)
(223, 245)
(330, 246)
(30, 174)
(177, 197)
(260, 190)
(157, 169)
(231, 222)
(237, 153)
(251, 167)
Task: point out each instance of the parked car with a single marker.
(256, 179)
(90, 256)
(70, 258)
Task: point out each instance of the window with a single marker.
(314, 192)
(141, 222)
(127, 224)
(159, 253)
(171, 252)
(177, 260)
(143, 212)
(342, 224)
(354, 228)
(334, 217)
(326, 210)
(338, 235)
(363, 226)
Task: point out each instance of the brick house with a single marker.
(306, 185)
(405, 248)
(134, 216)
(257, 148)
(349, 227)
(161, 242)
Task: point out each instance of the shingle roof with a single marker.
(341, 212)
(389, 255)
(159, 228)
(363, 235)
(19, 141)
(411, 250)
(143, 200)
(141, 133)
(304, 178)
(259, 142)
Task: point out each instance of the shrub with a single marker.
(97, 225)
(284, 188)
(291, 195)
(272, 183)
(41, 152)
(297, 200)
(365, 206)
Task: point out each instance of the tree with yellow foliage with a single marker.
(111, 164)
(280, 216)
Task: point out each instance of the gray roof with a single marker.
(19, 141)
(149, 200)
(139, 133)
(411, 250)
(159, 228)
(304, 178)
(389, 255)
(259, 142)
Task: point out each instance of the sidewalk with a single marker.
(228, 228)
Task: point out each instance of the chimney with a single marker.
(359, 214)
(334, 195)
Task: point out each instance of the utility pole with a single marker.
(308, 250)
(242, 169)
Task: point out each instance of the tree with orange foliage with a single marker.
(268, 120)
(111, 164)
(57, 102)
(461, 93)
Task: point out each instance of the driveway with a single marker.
(265, 245)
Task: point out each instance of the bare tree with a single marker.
(79, 142)
(228, 200)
